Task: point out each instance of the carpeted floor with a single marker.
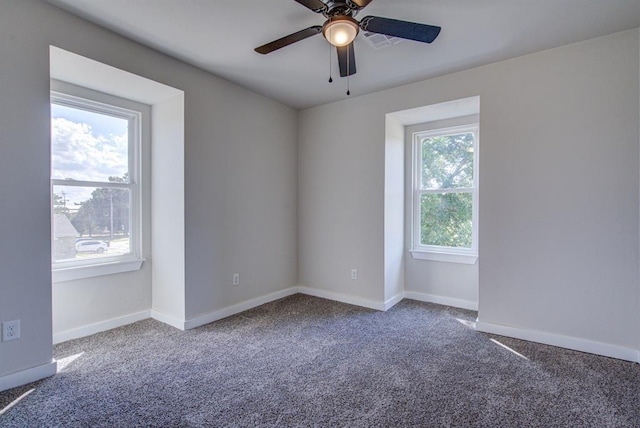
(304, 361)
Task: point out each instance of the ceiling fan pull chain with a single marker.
(330, 65)
(348, 73)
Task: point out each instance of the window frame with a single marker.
(78, 269)
(437, 252)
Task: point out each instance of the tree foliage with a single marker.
(60, 204)
(446, 220)
(446, 217)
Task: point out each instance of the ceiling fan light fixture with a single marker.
(340, 30)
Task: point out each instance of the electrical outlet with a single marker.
(354, 274)
(236, 279)
(10, 330)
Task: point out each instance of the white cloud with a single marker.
(80, 155)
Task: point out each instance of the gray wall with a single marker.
(240, 176)
(341, 151)
(558, 189)
(559, 192)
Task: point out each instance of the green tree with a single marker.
(83, 220)
(107, 209)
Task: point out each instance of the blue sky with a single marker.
(100, 124)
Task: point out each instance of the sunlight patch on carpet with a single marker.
(16, 401)
(64, 362)
(509, 349)
(466, 323)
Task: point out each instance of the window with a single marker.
(95, 186)
(445, 194)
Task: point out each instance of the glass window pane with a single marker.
(88, 146)
(447, 161)
(90, 222)
(445, 219)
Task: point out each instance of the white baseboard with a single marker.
(237, 308)
(344, 298)
(167, 319)
(441, 300)
(24, 377)
(604, 349)
(574, 343)
(98, 327)
(390, 303)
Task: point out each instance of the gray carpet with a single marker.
(304, 361)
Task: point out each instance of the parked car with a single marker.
(91, 246)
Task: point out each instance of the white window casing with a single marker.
(419, 250)
(72, 269)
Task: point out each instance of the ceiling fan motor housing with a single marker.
(340, 8)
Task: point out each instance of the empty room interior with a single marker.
(319, 213)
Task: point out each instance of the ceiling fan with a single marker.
(341, 28)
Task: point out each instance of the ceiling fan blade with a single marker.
(347, 60)
(358, 4)
(403, 29)
(315, 5)
(290, 39)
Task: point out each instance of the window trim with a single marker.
(436, 252)
(79, 269)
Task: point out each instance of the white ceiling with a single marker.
(220, 35)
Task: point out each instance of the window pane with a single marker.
(447, 161)
(90, 222)
(88, 146)
(445, 219)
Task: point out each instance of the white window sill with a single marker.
(467, 259)
(90, 271)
